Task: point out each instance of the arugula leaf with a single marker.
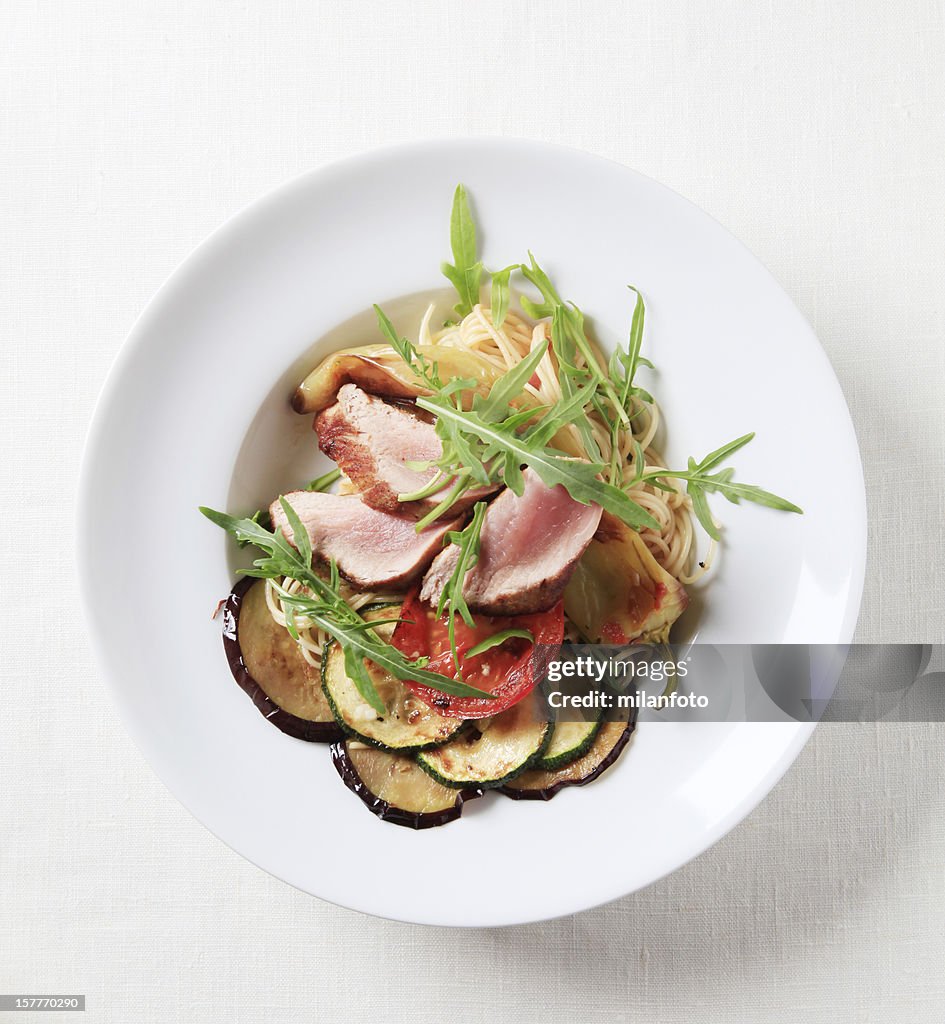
(357, 670)
(512, 475)
(735, 492)
(407, 351)
(300, 537)
(700, 482)
(639, 462)
(636, 332)
(533, 412)
(437, 482)
(559, 415)
(460, 485)
(623, 365)
(721, 454)
(500, 294)
(401, 345)
(323, 482)
(703, 513)
(616, 466)
(498, 638)
(571, 379)
(452, 600)
(509, 386)
(550, 297)
(465, 271)
(260, 516)
(552, 466)
(572, 320)
(325, 607)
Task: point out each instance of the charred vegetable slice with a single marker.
(569, 741)
(269, 667)
(409, 724)
(619, 592)
(611, 740)
(379, 370)
(395, 788)
(492, 751)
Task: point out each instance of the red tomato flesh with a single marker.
(506, 670)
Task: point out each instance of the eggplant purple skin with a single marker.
(549, 791)
(291, 725)
(388, 812)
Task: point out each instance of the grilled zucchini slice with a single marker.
(492, 751)
(409, 724)
(569, 741)
(611, 740)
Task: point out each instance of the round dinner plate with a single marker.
(195, 412)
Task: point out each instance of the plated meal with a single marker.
(498, 490)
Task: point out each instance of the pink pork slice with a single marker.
(372, 440)
(527, 552)
(373, 549)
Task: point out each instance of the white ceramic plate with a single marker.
(194, 412)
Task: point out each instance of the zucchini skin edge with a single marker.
(553, 790)
(493, 783)
(563, 760)
(351, 732)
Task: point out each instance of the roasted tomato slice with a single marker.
(507, 670)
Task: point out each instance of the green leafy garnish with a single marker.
(498, 404)
(579, 478)
(700, 482)
(492, 441)
(497, 639)
(572, 380)
(485, 445)
(623, 365)
(327, 609)
(465, 272)
(622, 369)
(323, 482)
(500, 294)
(452, 600)
(260, 516)
(428, 372)
(572, 334)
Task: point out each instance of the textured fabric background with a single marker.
(129, 130)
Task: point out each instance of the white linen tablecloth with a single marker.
(128, 131)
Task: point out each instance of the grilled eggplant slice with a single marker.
(619, 593)
(569, 741)
(409, 724)
(537, 784)
(492, 751)
(269, 667)
(394, 787)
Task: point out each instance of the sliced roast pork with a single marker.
(373, 549)
(527, 552)
(372, 440)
